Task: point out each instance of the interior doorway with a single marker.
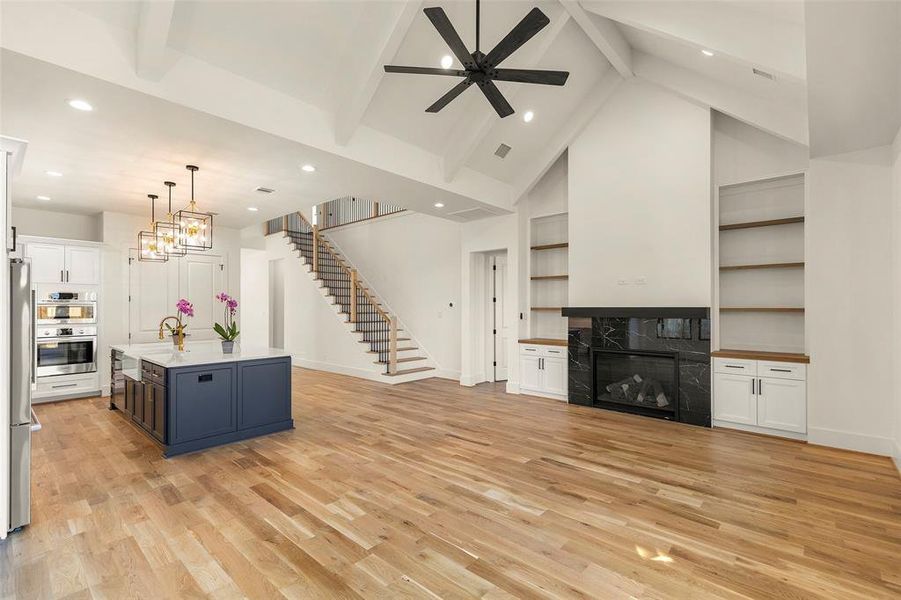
(497, 325)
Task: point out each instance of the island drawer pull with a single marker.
(204, 377)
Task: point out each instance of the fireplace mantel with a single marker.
(639, 312)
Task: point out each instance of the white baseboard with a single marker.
(512, 387)
(762, 430)
(896, 455)
(447, 374)
(871, 444)
(559, 397)
(340, 369)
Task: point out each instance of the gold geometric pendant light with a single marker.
(196, 227)
(150, 245)
(169, 230)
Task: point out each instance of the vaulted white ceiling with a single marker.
(311, 73)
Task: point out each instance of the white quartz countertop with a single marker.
(164, 354)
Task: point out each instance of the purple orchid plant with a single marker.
(184, 309)
(229, 331)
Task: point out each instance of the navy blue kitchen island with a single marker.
(201, 398)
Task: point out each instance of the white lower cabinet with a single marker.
(543, 371)
(765, 396)
(781, 404)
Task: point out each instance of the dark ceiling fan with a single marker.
(481, 69)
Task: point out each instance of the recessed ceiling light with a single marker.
(446, 61)
(439, 205)
(308, 168)
(252, 208)
(706, 52)
(43, 198)
(528, 116)
(81, 105)
(54, 173)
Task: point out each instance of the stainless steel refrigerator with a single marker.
(22, 420)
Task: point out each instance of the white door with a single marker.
(734, 399)
(529, 373)
(82, 265)
(152, 290)
(782, 404)
(554, 375)
(501, 326)
(200, 278)
(48, 262)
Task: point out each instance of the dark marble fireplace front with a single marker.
(648, 361)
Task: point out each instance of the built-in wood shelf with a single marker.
(548, 308)
(774, 309)
(770, 223)
(544, 341)
(788, 265)
(551, 246)
(762, 355)
(548, 277)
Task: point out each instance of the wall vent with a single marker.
(764, 74)
(502, 150)
(263, 190)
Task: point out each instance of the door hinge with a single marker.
(494, 364)
(129, 260)
(494, 332)
(221, 267)
(494, 267)
(129, 297)
(494, 299)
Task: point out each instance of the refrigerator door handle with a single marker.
(34, 345)
(35, 423)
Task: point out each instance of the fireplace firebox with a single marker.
(636, 381)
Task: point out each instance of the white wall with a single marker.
(744, 153)
(254, 293)
(896, 273)
(412, 262)
(849, 304)
(119, 233)
(639, 202)
(47, 223)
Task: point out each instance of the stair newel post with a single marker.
(316, 249)
(353, 295)
(375, 209)
(392, 347)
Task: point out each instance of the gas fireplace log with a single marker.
(658, 394)
(625, 389)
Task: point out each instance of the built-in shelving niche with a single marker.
(549, 275)
(761, 265)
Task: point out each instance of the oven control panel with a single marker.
(58, 332)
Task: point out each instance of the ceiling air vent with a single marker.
(263, 190)
(764, 74)
(502, 150)
(472, 214)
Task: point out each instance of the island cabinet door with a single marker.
(264, 392)
(159, 412)
(202, 402)
(137, 413)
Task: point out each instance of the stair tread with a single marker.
(407, 349)
(409, 371)
(401, 360)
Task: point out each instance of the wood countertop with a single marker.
(762, 355)
(544, 341)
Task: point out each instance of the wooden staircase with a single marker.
(377, 328)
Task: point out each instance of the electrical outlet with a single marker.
(622, 282)
(641, 281)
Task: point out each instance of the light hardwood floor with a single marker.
(430, 489)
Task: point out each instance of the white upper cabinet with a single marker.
(61, 263)
(48, 262)
(82, 265)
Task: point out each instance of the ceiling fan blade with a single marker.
(496, 99)
(439, 19)
(424, 71)
(531, 76)
(531, 24)
(446, 98)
